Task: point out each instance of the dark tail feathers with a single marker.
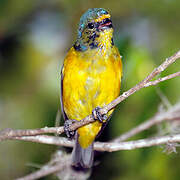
(80, 156)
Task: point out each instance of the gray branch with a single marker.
(8, 133)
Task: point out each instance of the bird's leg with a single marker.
(67, 124)
(97, 115)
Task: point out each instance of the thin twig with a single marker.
(165, 102)
(60, 164)
(153, 83)
(46, 139)
(46, 170)
(9, 133)
(142, 84)
(105, 146)
(172, 114)
(53, 166)
(130, 145)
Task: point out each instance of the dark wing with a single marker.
(103, 126)
(61, 96)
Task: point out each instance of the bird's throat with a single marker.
(101, 41)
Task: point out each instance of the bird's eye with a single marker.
(90, 25)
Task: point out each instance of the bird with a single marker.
(90, 79)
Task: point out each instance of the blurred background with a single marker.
(34, 38)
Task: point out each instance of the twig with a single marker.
(53, 166)
(105, 146)
(153, 83)
(142, 84)
(45, 139)
(44, 171)
(172, 114)
(8, 133)
(59, 164)
(130, 145)
(165, 102)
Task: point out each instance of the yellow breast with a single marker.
(89, 80)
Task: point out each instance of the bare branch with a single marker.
(165, 102)
(45, 139)
(142, 84)
(9, 133)
(105, 146)
(60, 164)
(172, 114)
(129, 145)
(153, 83)
(44, 171)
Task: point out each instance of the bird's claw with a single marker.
(69, 133)
(97, 115)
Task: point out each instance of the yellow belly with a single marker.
(88, 83)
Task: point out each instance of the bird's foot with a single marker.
(97, 115)
(67, 124)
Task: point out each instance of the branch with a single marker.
(105, 146)
(143, 83)
(9, 133)
(45, 139)
(63, 166)
(130, 145)
(44, 171)
(59, 164)
(172, 114)
(153, 83)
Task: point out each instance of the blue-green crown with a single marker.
(89, 15)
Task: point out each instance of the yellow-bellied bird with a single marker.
(90, 79)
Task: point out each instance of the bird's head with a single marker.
(95, 29)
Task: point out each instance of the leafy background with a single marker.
(34, 38)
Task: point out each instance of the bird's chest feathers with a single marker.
(90, 80)
(94, 71)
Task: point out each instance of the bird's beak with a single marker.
(105, 24)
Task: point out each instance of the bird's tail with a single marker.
(81, 156)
